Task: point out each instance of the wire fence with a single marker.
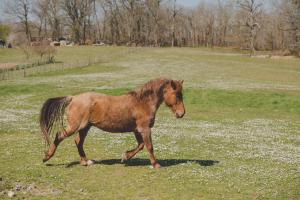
(25, 70)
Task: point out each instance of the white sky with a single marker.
(188, 3)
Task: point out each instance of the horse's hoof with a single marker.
(83, 163)
(124, 158)
(45, 159)
(90, 162)
(156, 166)
(86, 162)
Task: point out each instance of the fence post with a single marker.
(2, 74)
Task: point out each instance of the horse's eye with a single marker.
(179, 96)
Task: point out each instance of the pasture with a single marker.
(239, 139)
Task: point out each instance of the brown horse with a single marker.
(131, 112)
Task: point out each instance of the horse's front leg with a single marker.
(146, 134)
(129, 154)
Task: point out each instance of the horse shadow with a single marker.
(143, 162)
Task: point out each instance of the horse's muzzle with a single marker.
(179, 114)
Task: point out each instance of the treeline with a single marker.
(246, 24)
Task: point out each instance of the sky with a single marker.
(188, 3)
(1, 9)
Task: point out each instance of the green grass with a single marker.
(239, 138)
(81, 70)
(242, 105)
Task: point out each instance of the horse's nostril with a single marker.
(179, 115)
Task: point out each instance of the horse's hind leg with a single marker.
(129, 154)
(60, 136)
(79, 140)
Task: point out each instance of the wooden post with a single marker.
(1, 73)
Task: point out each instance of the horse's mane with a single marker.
(149, 88)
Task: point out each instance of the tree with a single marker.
(291, 25)
(54, 18)
(40, 11)
(162, 22)
(154, 9)
(21, 9)
(252, 10)
(134, 10)
(112, 15)
(175, 11)
(77, 11)
(223, 19)
(45, 50)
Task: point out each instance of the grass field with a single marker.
(239, 139)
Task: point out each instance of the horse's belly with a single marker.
(113, 114)
(116, 126)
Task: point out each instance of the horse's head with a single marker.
(173, 97)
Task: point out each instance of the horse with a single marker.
(134, 112)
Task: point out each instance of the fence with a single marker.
(35, 68)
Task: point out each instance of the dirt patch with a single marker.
(275, 56)
(283, 57)
(21, 190)
(8, 65)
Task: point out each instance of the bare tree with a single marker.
(40, 11)
(54, 16)
(163, 22)
(113, 21)
(223, 18)
(252, 10)
(77, 11)
(134, 10)
(291, 25)
(174, 12)
(154, 9)
(210, 31)
(20, 9)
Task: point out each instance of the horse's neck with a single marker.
(155, 101)
(156, 98)
(159, 96)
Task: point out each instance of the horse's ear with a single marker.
(173, 84)
(181, 81)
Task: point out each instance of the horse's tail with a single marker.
(52, 112)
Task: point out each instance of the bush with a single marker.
(44, 49)
(4, 31)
